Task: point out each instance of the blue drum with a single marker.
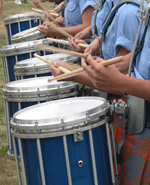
(24, 93)
(35, 67)
(19, 22)
(11, 54)
(64, 142)
(27, 35)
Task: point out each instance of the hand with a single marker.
(124, 65)
(107, 79)
(46, 30)
(36, 3)
(1, 8)
(56, 72)
(74, 45)
(59, 21)
(84, 34)
(93, 48)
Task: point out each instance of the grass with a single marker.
(8, 172)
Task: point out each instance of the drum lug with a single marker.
(78, 136)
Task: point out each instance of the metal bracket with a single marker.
(78, 135)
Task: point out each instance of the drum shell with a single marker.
(36, 68)
(19, 22)
(20, 37)
(53, 152)
(18, 96)
(11, 54)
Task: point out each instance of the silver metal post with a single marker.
(114, 148)
(110, 154)
(41, 162)
(67, 160)
(93, 157)
(136, 41)
(19, 26)
(17, 161)
(22, 161)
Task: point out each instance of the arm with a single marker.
(111, 80)
(86, 21)
(59, 8)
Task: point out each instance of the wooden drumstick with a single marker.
(59, 50)
(41, 11)
(37, 10)
(55, 14)
(34, 30)
(66, 42)
(59, 29)
(64, 70)
(105, 63)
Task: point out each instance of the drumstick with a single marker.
(59, 29)
(66, 42)
(55, 14)
(41, 11)
(59, 50)
(37, 10)
(105, 63)
(36, 29)
(64, 70)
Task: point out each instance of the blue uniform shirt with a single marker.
(142, 64)
(122, 30)
(101, 15)
(74, 11)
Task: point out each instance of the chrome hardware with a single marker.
(80, 163)
(78, 136)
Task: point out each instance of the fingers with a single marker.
(55, 71)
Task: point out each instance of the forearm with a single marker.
(82, 79)
(59, 8)
(71, 30)
(136, 87)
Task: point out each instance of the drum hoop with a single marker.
(20, 17)
(48, 89)
(33, 71)
(40, 97)
(20, 48)
(36, 36)
(59, 132)
(68, 120)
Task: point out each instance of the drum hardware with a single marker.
(84, 120)
(78, 136)
(80, 163)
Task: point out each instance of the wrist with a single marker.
(99, 40)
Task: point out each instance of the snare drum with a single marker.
(19, 22)
(35, 67)
(24, 37)
(24, 93)
(64, 142)
(11, 54)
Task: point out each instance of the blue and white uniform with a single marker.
(74, 11)
(122, 30)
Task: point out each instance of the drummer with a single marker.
(78, 16)
(1, 8)
(119, 40)
(136, 156)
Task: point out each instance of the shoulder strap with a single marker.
(112, 13)
(98, 6)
